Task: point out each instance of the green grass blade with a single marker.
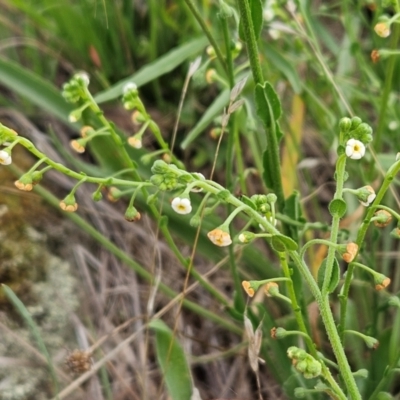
(20, 307)
(35, 89)
(161, 66)
(172, 360)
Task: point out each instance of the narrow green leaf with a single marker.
(267, 102)
(173, 363)
(161, 66)
(33, 88)
(216, 107)
(335, 277)
(293, 210)
(20, 307)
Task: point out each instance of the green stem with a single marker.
(112, 248)
(250, 39)
(390, 175)
(340, 170)
(207, 32)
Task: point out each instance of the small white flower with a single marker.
(128, 87)
(355, 149)
(270, 220)
(83, 77)
(5, 158)
(242, 238)
(181, 206)
(370, 198)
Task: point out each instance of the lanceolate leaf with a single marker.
(173, 363)
(268, 103)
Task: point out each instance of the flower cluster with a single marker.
(73, 91)
(355, 135)
(304, 362)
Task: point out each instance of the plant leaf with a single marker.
(173, 363)
(335, 277)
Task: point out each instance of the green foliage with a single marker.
(173, 363)
(318, 70)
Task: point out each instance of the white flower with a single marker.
(355, 149)
(242, 238)
(130, 86)
(370, 198)
(181, 206)
(83, 77)
(5, 158)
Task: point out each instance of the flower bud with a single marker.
(5, 157)
(248, 288)
(271, 289)
(348, 251)
(382, 29)
(345, 124)
(278, 333)
(220, 236)
(131, 214)
(382, 218)
(246, 237)
(375, 56)
(381, 281)
(113, 194)
(69, 203)
(366, 195)
(24, 183)
(78, 145)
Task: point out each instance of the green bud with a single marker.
(302, 366)
(157, 179)
(225, 10)
(314, 367)
(271, 198)
(160, 167)
(97, 195)
(131, 214)
(246, 237)
(355, 122)
(280, 333)
(37, 176)
(264, 208)
(345, 124)
(195, 221)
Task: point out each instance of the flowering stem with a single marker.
(141, 271)
(340, 170)
(207, 32)
(250, 39)
(390, 175)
